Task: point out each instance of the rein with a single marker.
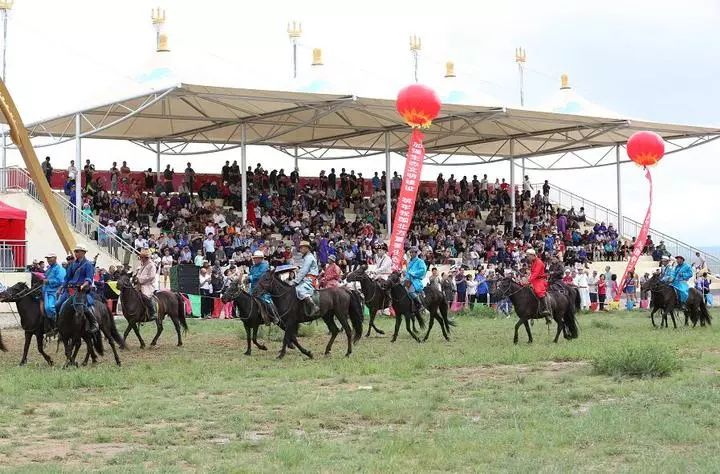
(23, 294)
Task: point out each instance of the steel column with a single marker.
(297, 167)
(388, 199)
(619, 191)
(157, 157)
(512, 181)
(78, 176)
(243, 174)
(4, 177)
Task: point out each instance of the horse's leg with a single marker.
(248, 337)
(348, 332)
(28, 338)
(407, 326)
(398, 321)
(108, 335)
(527, 328)
(444, 324)
(290, 331)
(332, 327)
(430, 326)
(137, 333)
(517, 327)
(159, 323)
(371, 325)
(672, 316)
(68, 352)
(306, 352)
(652, 317)
(39, 339)
(90, 350)
(127, 330)
(373, 313)
(254, 338)
(77, 343)
(178, 330)
(560, 326)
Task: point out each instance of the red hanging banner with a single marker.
(639, 241)
(406, 199)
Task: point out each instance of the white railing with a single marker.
(595, 213)
(13, 255)
(112, 244)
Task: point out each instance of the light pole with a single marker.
(415, 47)
(520, 58)
(5, 6)
(294, 31)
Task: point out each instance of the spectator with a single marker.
(206, 290)
(602, 292)
(593, 287)
(47, 169)
(190, 178)
(72, 171)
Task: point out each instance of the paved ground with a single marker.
(8, 320)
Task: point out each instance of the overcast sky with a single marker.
(655, 60)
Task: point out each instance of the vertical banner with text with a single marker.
(639, 241)
(406, 199)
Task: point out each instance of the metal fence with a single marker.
(110, 243)
(630, 228)
(13, 255)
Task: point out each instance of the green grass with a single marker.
(637, 361)
(478, 403)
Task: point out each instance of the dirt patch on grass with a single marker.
(508, 372)
(42, 450)
(584, 408)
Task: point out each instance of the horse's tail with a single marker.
(114, 333)
(577, 302)
(571, 328)
(356, 314)
(181, 313)
(2, 346)
(98, 344)
(420, 320)
(443, 307)
(704, 314)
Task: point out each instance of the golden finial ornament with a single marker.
(158, 16)
(564, 82)
(415, 43)
(161, 39)
(520, 55)
(6, 4)
(294, 30)
(317, 57)
(449, 69)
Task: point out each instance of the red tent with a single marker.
(12, 236)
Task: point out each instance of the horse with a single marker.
(72, 330)
(340, 303)
(32, 319)
(3, 348)
(434, 302)
(135, 311)
(376, 298)
(248, 308)
(563, 304)
(665, 298)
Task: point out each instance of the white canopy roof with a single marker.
(324, 126)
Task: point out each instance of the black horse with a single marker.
(73, 330)
(404, 306)
(665, 298)
(247, 308)
(564, 302)
(32, 319)
(3, 348)
(340, 303)
(135, 311)
(376, 297)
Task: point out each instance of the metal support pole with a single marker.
(158, 165)
(294, 59)
(78, 176)
(297, 167)
(4, 50)
(619, 191)
(523, 176)
(243, 174)
(4, 177)
(512, 181)
(388, 199)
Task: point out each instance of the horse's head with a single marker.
(231, 292)
(125, 281)
(15, 292)
(358, 274)
(652, 283)
(394, 278)
(265, 283)
(502, 287)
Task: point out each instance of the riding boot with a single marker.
(150, 309)
(544, 307)
(310, 307)
(91, 321)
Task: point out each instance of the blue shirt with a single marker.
(79, 272)
(415, 272)
(54, 277)
(257, 271)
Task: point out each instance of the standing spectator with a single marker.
(72, 171)
(646, 293)
(206, 290)
(332, 180)
(630, 287)
(209, 248)
(527, 188)
(448, 287)
(440, 186)
(376, 182)
(472, 285)
(395, 185)
(190, 178)
(613, 288)
(546, 189)
(698, 263)
(461, 289)
(581, 281)
(705, 288)
(593, 287)
(47, 170)
(89, 169)
(331, 276)
(602, 292)
(114, 177)
(167, 262)
(125, 176)
(225, 173)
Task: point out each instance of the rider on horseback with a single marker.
(538, 282)
(383, 263)
(145, 277)
(679, 277)
(80, 275)
(306, 278)
(257, 270)
(54, 278)
(414, 275)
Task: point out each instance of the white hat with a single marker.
(258, 253)
(51, 255)
(80, 247)
(530, 252)
(664, 257)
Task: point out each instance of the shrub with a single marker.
(643, 361)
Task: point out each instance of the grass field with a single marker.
(477, 403)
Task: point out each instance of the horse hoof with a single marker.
(247, 353)
(84, 364)
(348, 354)
(379, 331)
(179, 344)
(310, 355)
(23, 363)
(50, 362)
(280, 356)
(261, 347)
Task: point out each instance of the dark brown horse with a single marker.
(664, 298)
(135, 312)
(404, 306)
(32, 319)
(247, 308)
(376, 298)
(565, 302)
(2, 345)
(340, 303)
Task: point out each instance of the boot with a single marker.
(544, 307)
(91, 321)
(150, 309)
(310, 307)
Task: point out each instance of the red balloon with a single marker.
(418, 105)
(645, 148)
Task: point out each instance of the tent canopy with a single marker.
(325, 126)
(12, 222)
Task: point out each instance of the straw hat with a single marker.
(304, 243)
(258, 254)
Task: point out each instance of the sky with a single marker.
(653, 60)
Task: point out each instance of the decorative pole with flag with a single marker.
(645, 149)
(418, 105)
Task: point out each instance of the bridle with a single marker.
(508, 295)
(364, 277)
(14, 298)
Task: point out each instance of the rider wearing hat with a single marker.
(54, 278)
(666, 270)
(383, 263)
(332, 274)
(679, 278)
(259, 267)
(306, 278)
(145, 277)
(538, 281)
(414, 275)
(80, 275)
